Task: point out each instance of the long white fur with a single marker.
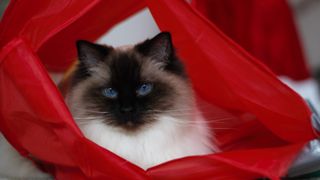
(167, 139)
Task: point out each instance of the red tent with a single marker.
(270, 123)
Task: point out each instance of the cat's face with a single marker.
(129, 87)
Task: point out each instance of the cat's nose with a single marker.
(126, 109)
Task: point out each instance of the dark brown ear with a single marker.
(159, 48)
(91, 54)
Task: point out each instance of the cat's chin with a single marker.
(164, 140)
(133, 126)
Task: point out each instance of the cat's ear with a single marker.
(159, 48)
(91, 54)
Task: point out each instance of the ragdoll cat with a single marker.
(137, 102)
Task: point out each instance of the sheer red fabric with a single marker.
(264, 28)
(265, 123)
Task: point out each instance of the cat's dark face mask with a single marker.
(130, 87)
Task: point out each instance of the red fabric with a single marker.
(54, 26)
(265, 123)
(264, 28)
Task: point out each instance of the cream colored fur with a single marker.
(167, 139)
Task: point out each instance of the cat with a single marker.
(137, 102)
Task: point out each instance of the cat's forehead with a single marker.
(124, 48)
(126, 65)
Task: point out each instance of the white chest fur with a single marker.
(166, 139)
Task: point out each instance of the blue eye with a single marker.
(144, 89)
(110, 93)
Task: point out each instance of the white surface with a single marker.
(136, 28)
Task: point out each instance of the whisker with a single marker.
(87, 110)
(85, 118)
(91, 123)
(179, 113)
